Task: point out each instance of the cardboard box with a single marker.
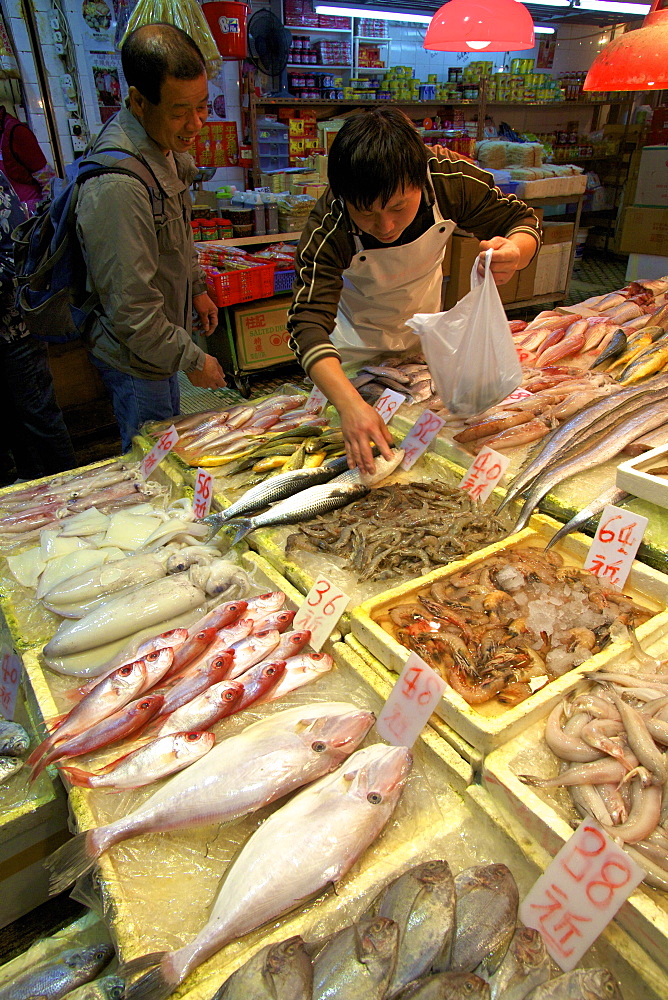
(652, 183)
(464, 250)
(645, 231)
(526, 279)
(260, 334)
(551, 272)
(295, 127)
(557, 232)
(645, 266)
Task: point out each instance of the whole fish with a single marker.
(525, 966)
(105, 988)
(291, 644)
(280, 971)
(55, 978)
(422, 903)
(581, 984)
(612, 495)
(447, 986)
(265, 604)
(121, 616)
(303, 847)
(14, 740)
(486, 915)
(192, 649)
(653, 359)
(281, 620)
(299, 670)
(192, 684)
(172, 639)
(117, 575)
(615, 348)
(276, 488)
(259, 682)
(128, 720)
(223, 641)
(221, 616)
(637, 343)
(251, 650)
(357, 962)
(149, 763)
(9, 766)
(572, 343)
(295, 746)
(203, 711)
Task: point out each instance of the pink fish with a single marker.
(555, 337)
(515, 436)
(291, 644)
(205, 709)
(214, 670)
(259, 681)
(252, 650)
(173, 639)
(265, 604)
(192, 649)
(570, 345)
(224, 640)
(222, 616)
(280, 620)
(300, 670)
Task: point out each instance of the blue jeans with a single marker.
(136, 400)
(34, 427)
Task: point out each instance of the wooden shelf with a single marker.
(249, 241)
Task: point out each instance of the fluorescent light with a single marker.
(615, 8)
(542, 31)
(382, 15)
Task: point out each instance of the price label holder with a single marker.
(419, 437)
(410, 703)
(10, 678)
(388, 404)
(158, 452)
(579, 893)
(317, 401)
(514, 396)
(203, 493)
(525, 357)
(484, 473)
(323, 606)
(618, 535)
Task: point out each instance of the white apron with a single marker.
(385, 287)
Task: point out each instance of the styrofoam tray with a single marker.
(494, 724)
(635, 476)
(547, 814)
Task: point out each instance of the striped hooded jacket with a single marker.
(465, 194)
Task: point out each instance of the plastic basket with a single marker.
(228, 287)
(283, 281)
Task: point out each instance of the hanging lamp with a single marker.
(637, 60)
(480, 26)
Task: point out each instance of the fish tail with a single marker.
(530, 779)
(155, 984)
(69, 862)
(243, 526)
(77, 776)
(40, 750)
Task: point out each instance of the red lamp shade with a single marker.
(480, 26)
(637, 60)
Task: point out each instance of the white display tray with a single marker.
(634, 476)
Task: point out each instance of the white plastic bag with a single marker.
(469, 349)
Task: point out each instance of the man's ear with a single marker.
(136, 102)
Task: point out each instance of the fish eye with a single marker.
(375, 798)
(201, 635)
(228, 696)
(318, 746)
(124, 671)
(153, 656)
(271, 671)
(219, 662)
(144, 704)
(192, 737)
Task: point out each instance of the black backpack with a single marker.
(50, 267)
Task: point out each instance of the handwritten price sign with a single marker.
(412, 700)
(317, 401)
(419, 437)
(483, 475)
(158, 452)
(321, 610)
(579, 893)
(203, 493)
(526, 357)
(615, 544)
(514, 396)
(10, 676)
(388, 404)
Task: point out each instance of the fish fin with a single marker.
(44, 747)
(243, 526)
(69, 862)
(77, 776)
(530, 779)
(140, 964)
(153, 985)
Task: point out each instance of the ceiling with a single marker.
(541, 15)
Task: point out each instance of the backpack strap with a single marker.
(120, 161)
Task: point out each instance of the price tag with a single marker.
(486, 470)
(526, 357)
(615, 544)
(317, 401)
(203, 493)
(158, 452)
(321, 610)
(579, 893)
(412, 700)
(517, 394)
(388, 404)
(10, 676)
(419, 437)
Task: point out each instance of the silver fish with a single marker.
(303, 847)
(280, 971)
(105, 988)
(383, 373)
(581, 984)
(612, 495)
(295, 747)
(54, 979)
(447, 986)
(9, 766)
(526, 965)
(14, 740)
(357, 962)
(486, 914)
(422, 902)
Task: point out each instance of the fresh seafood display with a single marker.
(611, 735)
(54, 979)
(401, 530)
(292, 857)
(408, 375)
(509, 624)
(219, 437)
(14, 745)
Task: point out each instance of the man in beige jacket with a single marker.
(137, 240)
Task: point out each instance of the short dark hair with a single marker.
(155, 51)
(376, 152)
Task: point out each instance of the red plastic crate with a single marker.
(228, 287)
